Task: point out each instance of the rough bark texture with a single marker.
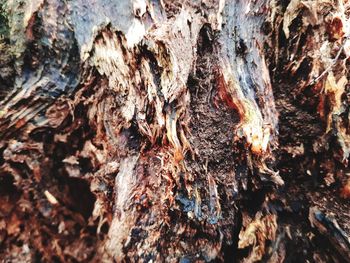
(174, 131)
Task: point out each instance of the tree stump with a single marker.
(174, 131)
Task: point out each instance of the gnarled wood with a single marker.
(176, 131)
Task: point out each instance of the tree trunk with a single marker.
(174, 131)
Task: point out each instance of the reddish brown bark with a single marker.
(186, 131)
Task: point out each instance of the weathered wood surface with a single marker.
(174, 131)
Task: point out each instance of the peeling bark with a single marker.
(174, 131)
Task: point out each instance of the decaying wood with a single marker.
(174, 131)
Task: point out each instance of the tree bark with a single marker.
(174, 131)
